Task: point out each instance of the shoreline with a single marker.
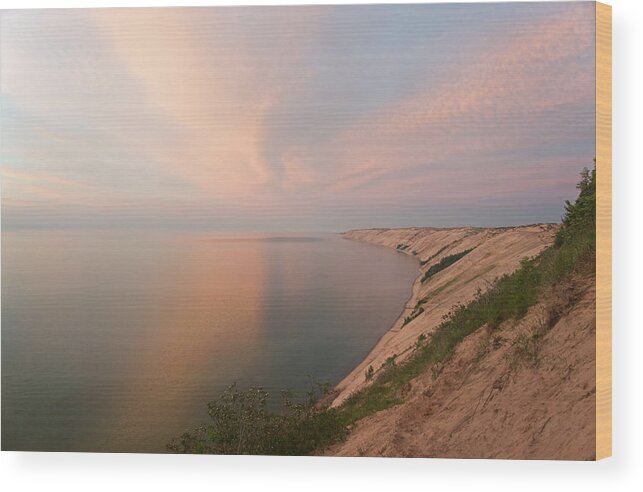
(494, 252)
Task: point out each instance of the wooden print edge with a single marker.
(603, 231)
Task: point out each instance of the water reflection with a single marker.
(115, 341)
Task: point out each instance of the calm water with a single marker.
(115, 341)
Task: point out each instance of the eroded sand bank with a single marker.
(494, 252)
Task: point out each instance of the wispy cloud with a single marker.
(306, 117)
(521, 91)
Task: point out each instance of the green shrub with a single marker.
(579, 221)
(240, 423)
(424, 300)
(444, 263)
(435, 255)
(414, 314)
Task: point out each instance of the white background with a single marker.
(69, 472)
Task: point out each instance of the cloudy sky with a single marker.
(295, 118)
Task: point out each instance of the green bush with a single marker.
(579, 221)
(414, 314)
(240, 423)
(435, 255)
(444, 263)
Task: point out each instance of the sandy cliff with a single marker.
(523, 391)
(494, 252)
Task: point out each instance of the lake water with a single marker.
(116, 341)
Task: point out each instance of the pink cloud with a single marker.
(510, 79)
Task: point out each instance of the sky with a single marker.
(295, 118)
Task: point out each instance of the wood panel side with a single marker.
(603, 231)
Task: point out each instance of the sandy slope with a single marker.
(497, 251)
(496, 397)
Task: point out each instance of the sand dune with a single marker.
(495, 252)
(495, 398)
